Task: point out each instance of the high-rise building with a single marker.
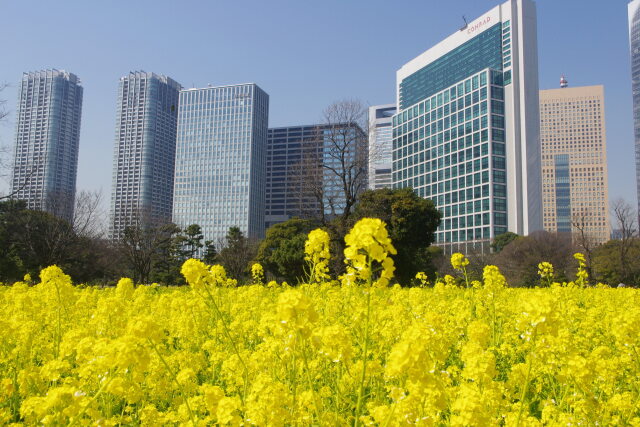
(144, 153)
(294, 174)
(634, 42)
(305, 165)
(46, 145)
(574, 161)
(467, 130)
(380, 145)
(221, 158)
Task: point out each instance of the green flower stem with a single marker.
(364, 357)
(175, 379)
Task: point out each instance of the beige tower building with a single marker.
(575, 191)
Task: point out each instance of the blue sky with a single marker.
(304, 54)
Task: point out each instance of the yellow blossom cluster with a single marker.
(545, 270)
(368, 254)
(318, 354)
(316, 250)
(257, 274)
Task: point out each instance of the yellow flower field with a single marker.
(328, 353)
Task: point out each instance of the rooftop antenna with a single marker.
(563, 82)
(466, 24)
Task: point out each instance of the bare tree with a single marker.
(88, 218)
(306, 183)
(584, 238)
(519, 259)
(627, 226)
(3, 102)
(144, 245)
(345, 156)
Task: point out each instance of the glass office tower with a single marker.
(144, 153)
(634, 42)
(293, 173)
(47, 137)
(221, 155)
(467, 131)
(380, 145)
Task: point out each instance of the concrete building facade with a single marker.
(574, 162)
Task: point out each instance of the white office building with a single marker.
(380, 145)
(467, 130)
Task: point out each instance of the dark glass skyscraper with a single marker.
(304, 164)
(47, 138)
(293, 158)
(144, 153)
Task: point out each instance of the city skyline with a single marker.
(373, 88)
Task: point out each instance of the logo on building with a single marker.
(478, 25)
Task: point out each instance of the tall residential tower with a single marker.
(221, 155)
(144, 153)
(46, 145)
(467, 130)
(574, 162)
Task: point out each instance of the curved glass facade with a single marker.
(144, 152)
(47, 139)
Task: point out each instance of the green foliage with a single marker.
(608, 265)
(11, 264)
(499, 242)
(282, 251)
(519, 260)
(168, 255)
(32, 240)
(411, 221)
(210, 253)
(190, 241)
(237, 254)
